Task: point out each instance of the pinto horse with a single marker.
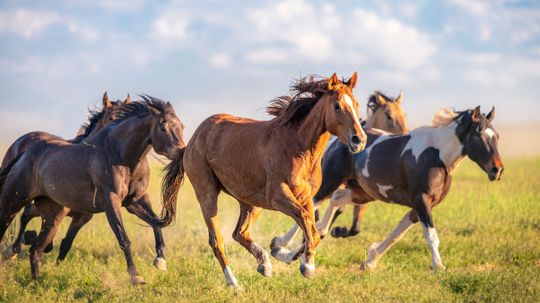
(383, 113)
(97, 120)
(92, 176)
(273, 164)
(415, 170)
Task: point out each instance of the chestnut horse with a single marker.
(92, 176)
(415, 170)
(273, 164)
(97, 120)
(383, 113)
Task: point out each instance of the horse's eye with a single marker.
(336, 106)
(162, 128)
(388, 116)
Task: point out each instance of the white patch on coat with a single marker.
(489, 132)
(383, 189)
(368, 150)
(443, 139)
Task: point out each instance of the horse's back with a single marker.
(24, 142)
(232, 149)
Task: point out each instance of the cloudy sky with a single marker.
(57, 58)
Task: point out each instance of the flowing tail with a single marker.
(170, 185)
(5, 172)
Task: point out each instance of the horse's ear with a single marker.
(332, 81)
(491, 114)
(399, 98)
(106, 102)
(476, 114)
(352, 81)
(128, 99)
(380, 99)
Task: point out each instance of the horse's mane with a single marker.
(303, 95)
(88, 127)
(445, 116)
(140, 108)
(372, 103)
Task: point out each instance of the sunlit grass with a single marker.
(489, 240)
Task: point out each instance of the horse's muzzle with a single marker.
(495, 173)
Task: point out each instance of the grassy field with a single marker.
(489, 235)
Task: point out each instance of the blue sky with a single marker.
(58, 57)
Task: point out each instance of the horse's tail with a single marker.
(5, 172)
(170, 185)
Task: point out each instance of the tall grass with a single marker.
(489, 236)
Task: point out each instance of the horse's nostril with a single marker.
(355, 140)
(495, 170)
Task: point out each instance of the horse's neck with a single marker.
(131, 139)
(445, 140)
(312, 132)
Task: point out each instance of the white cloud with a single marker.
(318, 34)
(475, 7)
(26, 23)
(86, 34)
(220, 60)
(171, 25)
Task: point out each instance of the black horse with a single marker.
(93, 176)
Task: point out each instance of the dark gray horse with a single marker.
(414, 170)
(97, 120)
(93, 176)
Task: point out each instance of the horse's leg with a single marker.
(423, 209)
(29, 212)
(359, 198)
(52, 215)
(78, 221)
(358, 216)
(142, 208)
(340, 198)
(303, 214)
(377, 250)
(242, 234)
(15, 195)
(287, 239)
(112, 204)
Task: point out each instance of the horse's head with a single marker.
(341, 113)
(386, 113)
(167, 134)
(480, 141)
(109, 111)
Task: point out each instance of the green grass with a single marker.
(489, 236)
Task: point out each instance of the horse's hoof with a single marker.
(160, 263)
(29, 237)
(366, 267)
(439, 268)
(265, 269)
(282, 254)
(48, 248)
(9, 253)
(307, 270)
(337, 232)
(137, 280)
(276, 243)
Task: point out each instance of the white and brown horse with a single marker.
(415, 170)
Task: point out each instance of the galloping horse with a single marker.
(415, 170)
(92, 176)
(272, 164)
(97, 120)
(383, 113)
